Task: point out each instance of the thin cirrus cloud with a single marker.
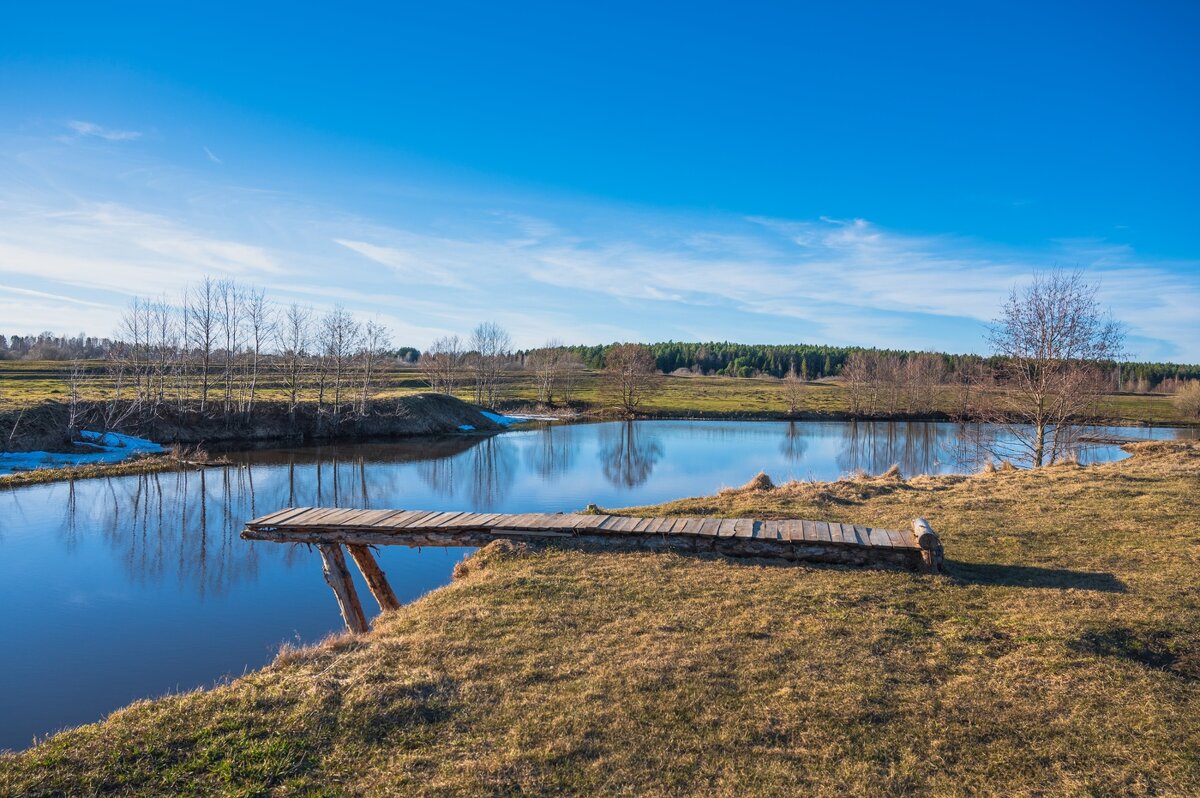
(100, 132)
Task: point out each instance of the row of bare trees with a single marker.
(217, 346)
(481, 363)
(881, 383)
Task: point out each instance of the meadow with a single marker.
(27, 383)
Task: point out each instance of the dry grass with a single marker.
(1060, 656)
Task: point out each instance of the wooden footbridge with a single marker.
(793, 540)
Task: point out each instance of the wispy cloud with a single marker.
(212, 157)
(585, 274)
(410, 266)
(97, 131)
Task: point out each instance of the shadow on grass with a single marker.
(1032, 576)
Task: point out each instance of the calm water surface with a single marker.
(124, 588)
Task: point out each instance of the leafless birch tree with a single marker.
(1051, 338)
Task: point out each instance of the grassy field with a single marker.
(25, 383)
(1059, 656)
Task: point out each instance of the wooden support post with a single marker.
(930, 545)
(338, 577)
(376, 580)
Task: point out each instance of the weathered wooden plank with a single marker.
(283, 516)
(726, 528)
(691, 526)
(771, 530)
(267, 519)
(823, 532)
(376, 580)
(338, 578)
(314, 517)
(358, 518)
(792, 530)
(402, 520)
(743, 528)
(594, 521)
(388, 516)
(710, 526)
(642, 525)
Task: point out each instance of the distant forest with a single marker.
(813, 362)
(722, 358)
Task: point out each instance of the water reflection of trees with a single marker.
(916, 447)
(552, 452)
(628, 455)
(795, 442)
(487, 470)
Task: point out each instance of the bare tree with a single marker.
(294, 337)
(442, 364)
(549, 365)
(75, 378)
(375, 340)
(261, 318)
(793, 389)
(202, 326)
(1051, 338)
(630, 375)
(230, 317)
(491, 348)
(340, 336)
(571, 370)
(859, 383)
(1187, 399)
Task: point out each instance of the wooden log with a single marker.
(930, 545)
(338, 577)
(376, 580)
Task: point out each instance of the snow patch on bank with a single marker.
(97, 448)
(503, 421)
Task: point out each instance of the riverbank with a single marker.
(1058, 656)
(41, 430)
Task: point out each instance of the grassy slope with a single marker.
(1060, 657)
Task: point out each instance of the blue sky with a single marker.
(850, 173)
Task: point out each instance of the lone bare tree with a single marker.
(1051, 338)
(630, 375)
(491, 347)
(793, 389)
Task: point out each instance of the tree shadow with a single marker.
(976, 573)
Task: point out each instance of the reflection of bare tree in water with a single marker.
(627, 457)
(439, 475)
(795, 444)
(186, 523)
(493, 468)
(874, 446)
(487, 470)
(552, 453)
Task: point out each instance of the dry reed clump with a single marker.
(760, 482)
(892, 473)
(293, 653)
(494, 552)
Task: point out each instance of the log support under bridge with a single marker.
(337, 576)
(793, 540)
